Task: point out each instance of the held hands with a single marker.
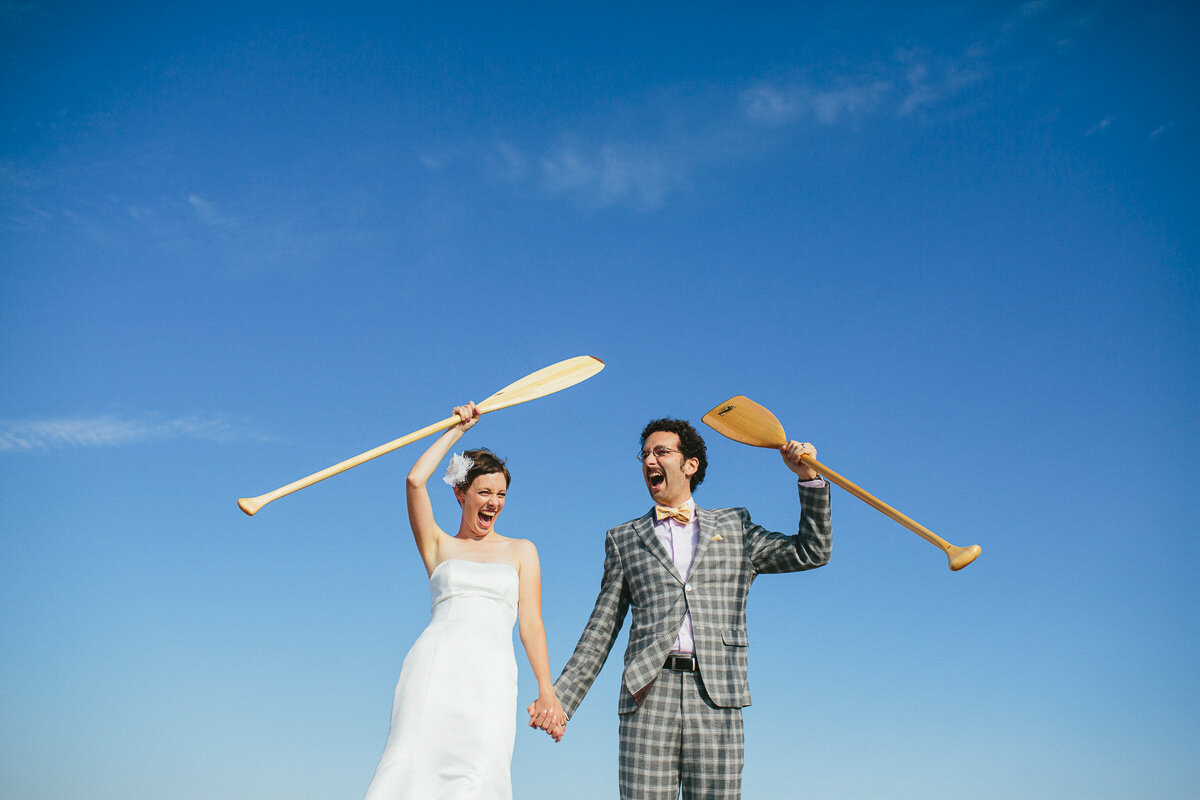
(468, 415)
(792, 451)
(547, 713)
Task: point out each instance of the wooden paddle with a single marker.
(547, 380)
(744, 420)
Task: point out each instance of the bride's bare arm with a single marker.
(546, 711)
(425, 531)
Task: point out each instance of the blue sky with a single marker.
(954, 245)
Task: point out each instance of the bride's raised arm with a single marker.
(425, 531)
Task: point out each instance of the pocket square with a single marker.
(717, 538)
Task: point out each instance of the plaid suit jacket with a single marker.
(638, 573)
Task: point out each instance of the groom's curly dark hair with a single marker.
(691, 444)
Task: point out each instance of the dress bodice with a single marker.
(454, 714)
(474, 591)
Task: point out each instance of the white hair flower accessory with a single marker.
(456, 470)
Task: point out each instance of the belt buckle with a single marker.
(681, 662)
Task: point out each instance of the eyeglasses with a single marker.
(657, 452)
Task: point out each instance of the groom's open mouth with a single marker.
(655, 478)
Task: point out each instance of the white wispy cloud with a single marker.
(911, 80)
(439, 158)
(206, 212)
(509, 162)
(1099, 126)
(1033, 8)
(595, 171)
(593, 174)
(829, 107)
(782, 104)
(771, 105)
(1160, 130)
(686, 133)
(933, 80)
(607, 174)
(110, 430)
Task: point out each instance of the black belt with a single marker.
(681, 663)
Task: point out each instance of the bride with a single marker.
(454, 712)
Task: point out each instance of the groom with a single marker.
(686, 572)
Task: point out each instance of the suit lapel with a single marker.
(705, 536)
(644, 526)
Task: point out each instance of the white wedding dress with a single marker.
(455, 709)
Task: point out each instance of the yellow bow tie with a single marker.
(682, 514)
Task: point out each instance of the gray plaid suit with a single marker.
(638, 573)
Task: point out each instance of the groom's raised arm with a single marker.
(811, 546)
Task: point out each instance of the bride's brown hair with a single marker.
(485, 462)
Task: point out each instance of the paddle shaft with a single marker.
(959, 556)
(545, 381)
(252, 504)
(876, 503)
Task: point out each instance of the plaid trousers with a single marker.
(679, 740)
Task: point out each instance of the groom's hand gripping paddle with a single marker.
(744, 420)
(547, 380)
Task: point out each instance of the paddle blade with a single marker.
(547, 380)
(745, 421)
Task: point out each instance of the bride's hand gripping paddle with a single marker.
(547, 380)
(744, 420)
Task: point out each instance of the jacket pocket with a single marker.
(735, 639)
